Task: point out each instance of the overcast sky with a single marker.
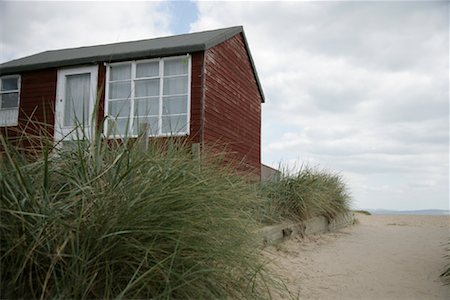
(360, 88)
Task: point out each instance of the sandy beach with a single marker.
(381, 257)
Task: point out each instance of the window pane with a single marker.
(147, 69)
(10, 84)
(175, 124)
(119, 90)
(147, 88)
(9, 117)
(177, 85)
(175, 105)
(117, 126)
(119, 108)
(76, 102)
(146, 107)
(176, 66)
(10, 100)
(149, 123)
(120, 72)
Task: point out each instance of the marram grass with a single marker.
(110, 220)
(107, 219)
(308, 193)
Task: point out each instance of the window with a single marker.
(9, 100)
(151, 95)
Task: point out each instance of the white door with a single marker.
(75, 99)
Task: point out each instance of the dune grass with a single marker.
(126, 218)
(106, 219)
(308, 193)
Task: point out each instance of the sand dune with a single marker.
(382, 257)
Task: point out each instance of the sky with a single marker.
(359, 88)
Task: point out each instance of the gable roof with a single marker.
(164, 46)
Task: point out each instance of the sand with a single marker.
(382, 257)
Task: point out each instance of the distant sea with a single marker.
(433, 212)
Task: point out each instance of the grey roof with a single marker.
(165, 46)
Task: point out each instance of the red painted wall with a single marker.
(37, 101)
(101, 83)
(233, 104)
(196, 97)
(37, 96)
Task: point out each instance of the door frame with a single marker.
(59, 133)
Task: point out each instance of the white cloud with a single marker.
(30, 27)
(360, 88)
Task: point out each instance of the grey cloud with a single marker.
(386, 35)
(337, 98)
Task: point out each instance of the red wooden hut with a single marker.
(203, 86)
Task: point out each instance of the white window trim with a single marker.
(160, 96)
(19, 84)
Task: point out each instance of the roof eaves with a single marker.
(224, 36)
(152, 53)
(104, 58)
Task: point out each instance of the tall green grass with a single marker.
(308, 193)
(106, 219)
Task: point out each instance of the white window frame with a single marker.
(161, 77)
(16, 122)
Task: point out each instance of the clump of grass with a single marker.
(106, 219)
(308, 193)
(364, 212)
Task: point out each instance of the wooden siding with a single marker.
(233, 104)
(37, 98)
(101, 83)
(37, 102)
(196, 97)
